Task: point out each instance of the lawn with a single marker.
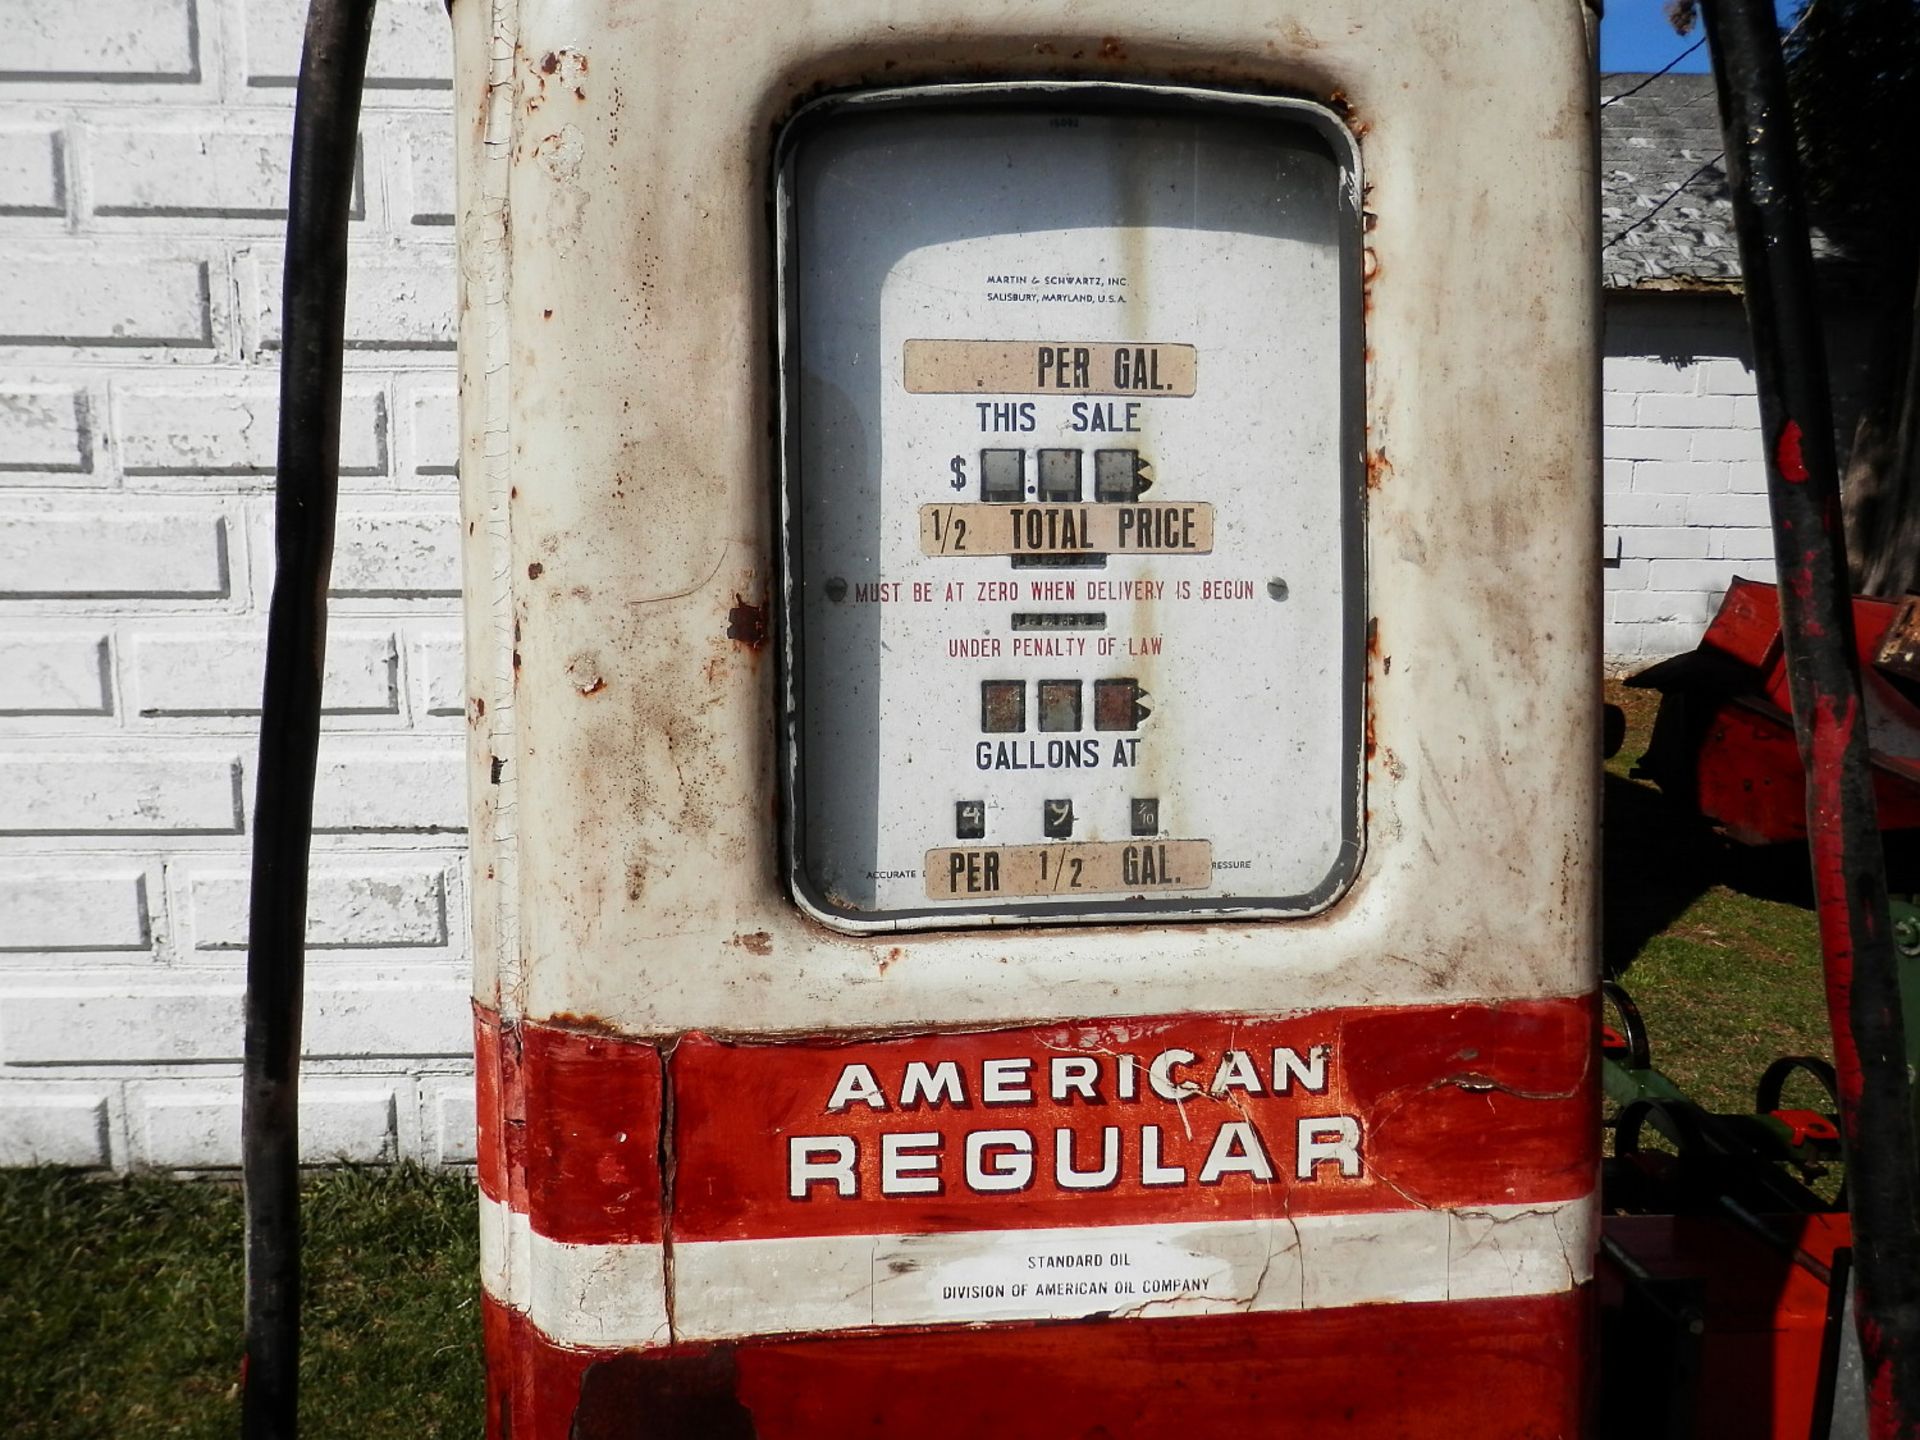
(1716, 943)
(120, 1300)
(120, 1307)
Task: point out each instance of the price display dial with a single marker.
(1071, 505)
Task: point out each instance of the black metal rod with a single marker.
(1816, 623)
(1826, 1387)
(313, 320)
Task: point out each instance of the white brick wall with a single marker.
(1686, 492)
(143, 176)
(142, 192)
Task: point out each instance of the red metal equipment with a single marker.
(1747, 1344)
(1724, 745)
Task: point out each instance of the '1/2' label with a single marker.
(1111, 867)
(993, 530)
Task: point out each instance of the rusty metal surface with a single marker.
(1899, 652)
(617, 404)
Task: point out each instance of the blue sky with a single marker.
(1636, 35)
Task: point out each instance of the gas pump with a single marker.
(1030, 615)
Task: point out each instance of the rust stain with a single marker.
(549, 63)
(1112, 49)
(747, 624)
(894, 954)
(1373, 654)
(756, 942)
(1379, 468)
(586, 1025)
(536, 569)
(479, 708)
(1899, 651)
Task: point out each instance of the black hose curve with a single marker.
(326, 130)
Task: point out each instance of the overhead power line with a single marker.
(1611, 99)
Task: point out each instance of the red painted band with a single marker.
(1486, 1369)
(568, 1130)
(570, 1122)
(533, 1384)
(489, 1107)
(593, 1120)
(1446, 1106)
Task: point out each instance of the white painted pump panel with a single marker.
(1073, 505)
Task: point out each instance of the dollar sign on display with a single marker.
(959, 468)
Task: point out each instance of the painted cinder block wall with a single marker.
(1685, 488)
(143, 175)
(142, 185)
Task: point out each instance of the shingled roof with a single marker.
(1666, 215)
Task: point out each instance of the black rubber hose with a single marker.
(326, 129)
(1816, 629)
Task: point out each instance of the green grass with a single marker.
(1715, 942)
(120, 1306)
(120, 1300)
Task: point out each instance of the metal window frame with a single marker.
(1079, 95)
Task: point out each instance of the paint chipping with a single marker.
(1786, 454)
(689, 1394)
(584, 673)
(747, 624)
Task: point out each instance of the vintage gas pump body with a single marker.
(1031, 630)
